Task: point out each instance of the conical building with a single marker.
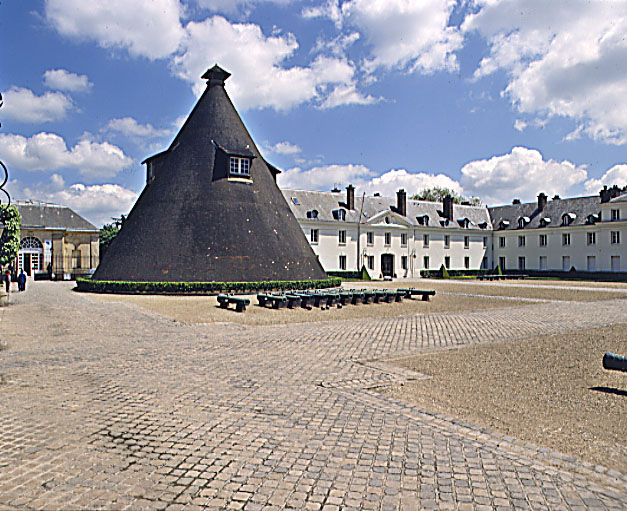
(211, 209)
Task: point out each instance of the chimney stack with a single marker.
(448, 207)
(542, 198)
(607, 194)
(401, 202)
(350, 197)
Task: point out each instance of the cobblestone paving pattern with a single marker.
(107, 406)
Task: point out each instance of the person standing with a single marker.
(21, 281)
(7, 280)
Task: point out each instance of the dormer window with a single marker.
(339, 214)
(463, 223)
(503, 224)
(523, 221)
(568, 218)
(313, 213)
(239, 166)
(483, 225)
(545, 221)
(592, 219)
(423, 220)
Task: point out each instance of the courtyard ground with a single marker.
(113, 405)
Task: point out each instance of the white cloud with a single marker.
(259, 80)
(150, 29)
(404, 34)
(61, 79)
(564, 58)
(617, 175)
(365, 180)
(48, 152)
(97, 203)
(347, 94)
(522, 174)
(232, 6)
(24, 106)
(130, 127)
(284, 148)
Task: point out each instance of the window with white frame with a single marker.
(521, 263)
(467, 262)
(425, 262)
(485, 242)
(543, 240)
(313, 237)
(447, 262)
(403, 262)
(543, 263)
(425, 240)
(501, 241)
(566, 239)
(388, 239)
(371, 262)
(521, 241)
(447, 241)
(615, 237)
(592, 238)
(466, 241)
(370, 238)
(484, 263)
(342, 262)
(341, 238)
(614, 215)
(502, 262)
(565, 263)
(239, 166)
(403, 239)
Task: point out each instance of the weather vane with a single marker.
(6, 172)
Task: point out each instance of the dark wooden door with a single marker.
(387, 265)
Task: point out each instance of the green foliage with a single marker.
(108, 232)
(10, 240)
(436, 274)
(364, 273)
(498, 270)
(437, 194)
(444, 272)
(202, 288)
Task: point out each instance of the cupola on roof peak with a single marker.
(216, 76)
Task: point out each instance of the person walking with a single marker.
(21, 281)
(7, 280)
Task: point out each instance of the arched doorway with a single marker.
(31, 255)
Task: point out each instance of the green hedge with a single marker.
(437, 274)
(354, 275)
(198, 288)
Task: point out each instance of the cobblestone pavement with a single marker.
(107, 406)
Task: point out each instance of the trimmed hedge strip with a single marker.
(200, 288)
(435, 274)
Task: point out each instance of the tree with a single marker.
(437, 194)
(10, 240)
(108, 232)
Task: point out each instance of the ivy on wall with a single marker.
(10, 239)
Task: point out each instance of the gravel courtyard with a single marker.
(113, 403)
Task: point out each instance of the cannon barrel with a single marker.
(614, 362)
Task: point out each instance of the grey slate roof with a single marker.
(620, 198)
(326, 202)
(581, 207)
(39, 215)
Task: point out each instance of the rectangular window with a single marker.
(388, 239)
(341, 237)
(484, 263)
(370, 238)
(566, 239)
(543, 240)
(615, 263)
(467, 262)
(447, 241)
(371, 262)
(466, 241)
(521, 263)
(425, 240)
(485, 242)
(403, 239)
(615, 237)
(543, 262)
(239, 166)
(314, 236)
(521, 241)
(403, 262)
(447, 262)
(342, 262)
(425, 262)
(502, 261)
(614, 215)
(565, 263)
(501, 241)
(592, 238)
(592, 263)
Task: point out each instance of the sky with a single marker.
(497, 99)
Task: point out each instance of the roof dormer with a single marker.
(523, 221)
(503, 224)
(568, 218)
(545, 221)
(339, 214)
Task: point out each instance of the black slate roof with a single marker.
(581, 209)
(326, 202)
(41, 215)
(194, 222)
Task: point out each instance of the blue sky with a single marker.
(499, 99)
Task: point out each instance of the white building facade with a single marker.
(399, 237)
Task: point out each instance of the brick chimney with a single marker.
(350, 197)
(542, 198)
(401, 202)
(607, 194)
(447, 204)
